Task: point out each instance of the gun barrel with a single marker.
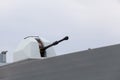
(56, 42)
(43, 50)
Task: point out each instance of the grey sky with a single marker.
(89, 23)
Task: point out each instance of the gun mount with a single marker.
(43, 49)
(35, 47)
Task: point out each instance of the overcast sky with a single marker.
(88, 23)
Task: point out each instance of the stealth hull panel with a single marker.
(93, 64)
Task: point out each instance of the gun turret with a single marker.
(43, 50)
(34, 47)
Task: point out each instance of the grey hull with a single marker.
(93, 64)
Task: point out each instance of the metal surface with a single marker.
(93, 64)
(3, 57)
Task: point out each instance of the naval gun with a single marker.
(35, 47)
(43, 49)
